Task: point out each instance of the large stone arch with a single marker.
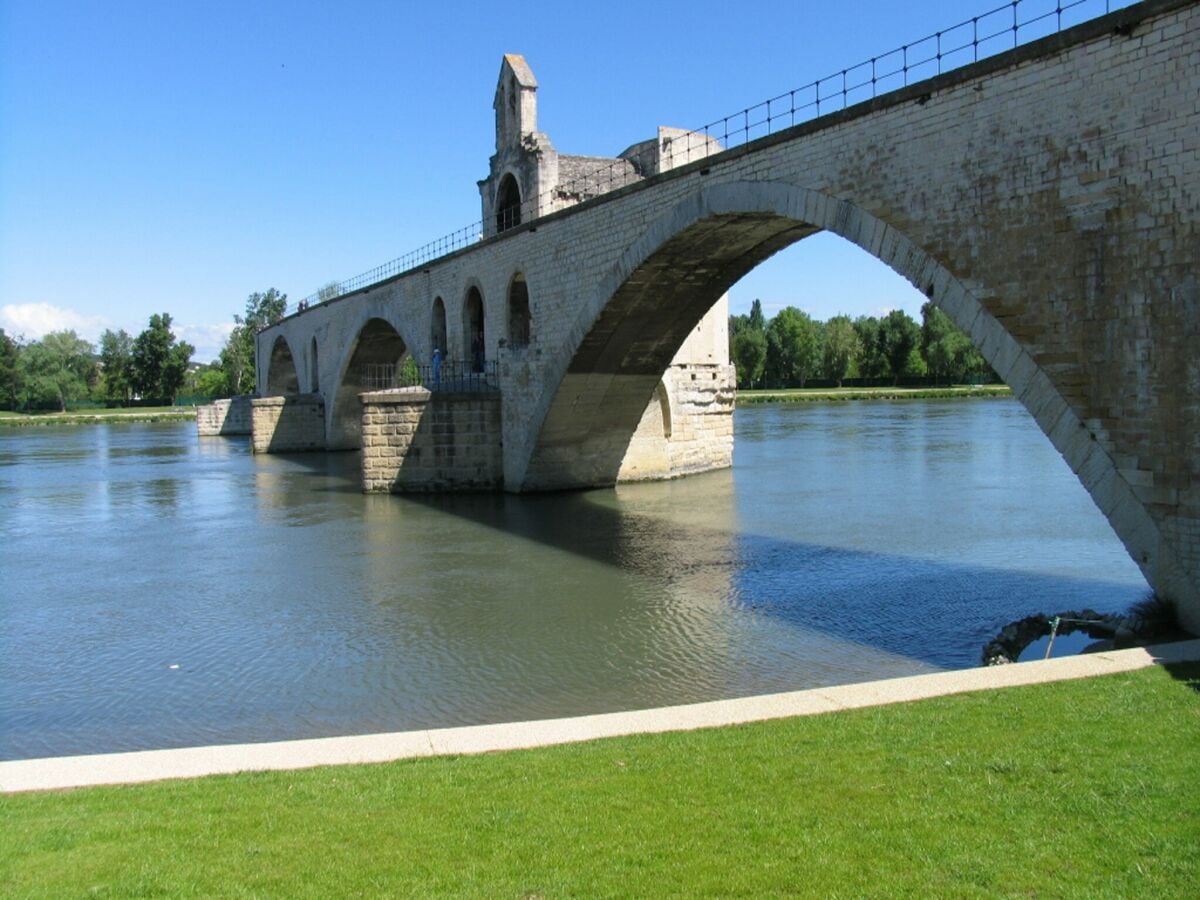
(625, 336)
(377, 346)
(281, 370)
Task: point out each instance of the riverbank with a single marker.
(797, 395)
(99, 416)
(826, 395)
(1009, 791)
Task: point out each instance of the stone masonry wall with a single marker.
(415, 441)
(687, 427)
(288, 424)
(224, 417)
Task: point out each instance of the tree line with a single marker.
(792, 349)
(63, 367)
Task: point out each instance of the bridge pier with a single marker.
(419, 441)
(288, 424)
(224, 417)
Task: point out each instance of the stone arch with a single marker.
(377, 350)
(630, 328)
(474, 330)
(520, 322)
(508, 203)
(281, 370)
(314, 370)
(437, 327)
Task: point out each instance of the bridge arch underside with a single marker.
(666, 281)
(281, 371)
(619, 364)
(377, 356)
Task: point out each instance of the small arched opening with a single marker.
(474, 338)
(519, 320)
(508, 204)
(281, 370)
(314, 380)
(437, 327)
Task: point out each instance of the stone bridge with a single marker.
(1046, 199)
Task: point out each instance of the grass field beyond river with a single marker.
(1080, 789)
(824, 395)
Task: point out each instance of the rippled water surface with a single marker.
(159, 590)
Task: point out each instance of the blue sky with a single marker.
(178, 156)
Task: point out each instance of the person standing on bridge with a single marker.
(437, 368)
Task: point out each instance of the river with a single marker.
(163, 590)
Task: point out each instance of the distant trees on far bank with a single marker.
(792, 349)
(62, 367)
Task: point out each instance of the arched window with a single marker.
(437, 327)
(315, 378)
(474, 339)
(508, 204)
(519, 322)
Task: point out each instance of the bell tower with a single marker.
(524, 167)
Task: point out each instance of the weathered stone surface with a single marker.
(224, 417)
(288, 424)
(440, 442)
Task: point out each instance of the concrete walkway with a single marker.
(155, 765)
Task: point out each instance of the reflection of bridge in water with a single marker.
(1045, 198)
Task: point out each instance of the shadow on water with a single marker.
(936, 611)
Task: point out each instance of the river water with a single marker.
(161, 590)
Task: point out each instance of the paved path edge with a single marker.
(192, 762)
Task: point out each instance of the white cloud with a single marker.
(207, 339)
(34, 320)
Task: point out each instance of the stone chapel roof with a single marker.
(521, 70)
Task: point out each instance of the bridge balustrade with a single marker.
(449, 376)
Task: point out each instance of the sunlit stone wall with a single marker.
(224, 417)
(688, 426)
(288, 424)
(415, 441)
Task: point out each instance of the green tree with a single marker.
(899, 336)
(871, 361)
(841, 350)
(158, 361)
(116, 358)
(11, 380)
(749, 356)
(57, 368)
(947, 351)
(756, 320)
(793, 348)
(237, 356)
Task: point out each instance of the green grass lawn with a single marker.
(1082, 789)
(89, 416)
(821, 395)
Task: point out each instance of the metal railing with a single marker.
(445, 376)
(993, 32)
